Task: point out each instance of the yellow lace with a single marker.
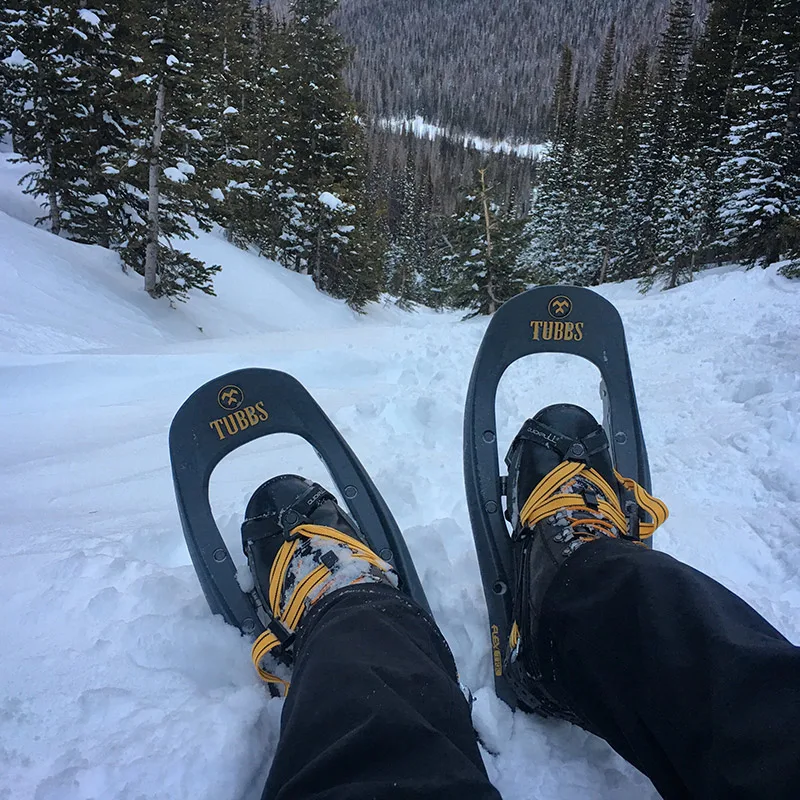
(545, 501)
(291, 611)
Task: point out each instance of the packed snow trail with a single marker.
(118, 682)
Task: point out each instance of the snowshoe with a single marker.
(233, 410)
(554, 319)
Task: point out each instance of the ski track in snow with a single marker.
(118, 682)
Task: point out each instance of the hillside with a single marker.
(118, 682)
(484, 68)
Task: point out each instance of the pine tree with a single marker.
(597, 172)
(233, 100)
(630, 105)
(44, 99)
(11, 58)
(486, 244)
(311, 157)
(98, 209)
(167, 166)
(550, 253)
(403, 255)
(761, 203)
(319, 155)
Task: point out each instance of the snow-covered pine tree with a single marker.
(486, 243)
(98, 213)
(11, 15)
(402, 256)
(46, 101)
(320, 154)
(311, 155)
(231, 90)
(167, 164)
(630, 104)
(704, 124)
(760, 208)
(597, 175)
(259, 209)
(413, 274)
(549, 252)
(657, 163)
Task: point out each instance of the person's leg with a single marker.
(683, 679)
(375, 709)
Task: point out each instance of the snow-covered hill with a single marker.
(117, 681)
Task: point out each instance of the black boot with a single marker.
(563, 494)
(300, 546)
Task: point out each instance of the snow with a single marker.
(89, 17)
(427, 130)
(18, 59)
(176, 174)
(118, 682)
(330, 200)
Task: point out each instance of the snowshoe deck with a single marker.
(548, 319)
(231, 411)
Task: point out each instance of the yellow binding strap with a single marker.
(289, 615)
(545, 501)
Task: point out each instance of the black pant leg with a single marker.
(684, 679)
(375, 709)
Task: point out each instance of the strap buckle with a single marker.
(581, 449)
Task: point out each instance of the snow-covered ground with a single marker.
(427, 130)
(116, 680)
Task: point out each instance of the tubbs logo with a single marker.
(560, 307)
(230, 398)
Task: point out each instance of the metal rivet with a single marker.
(499, 588)
(488, 437)
(290, 518)
(220, 555)
(578, 449)
(386, 554)
(350, 492)
(491, 507)
(248, 626)
(620, 437)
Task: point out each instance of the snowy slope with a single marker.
(117, 681)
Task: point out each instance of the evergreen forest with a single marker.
(145, 121)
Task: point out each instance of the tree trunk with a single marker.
(494, 303)
(153, 231)
(318, 259)
(55, 211)
(604, 267)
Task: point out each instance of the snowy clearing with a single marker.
(427, 130)
(118, 682)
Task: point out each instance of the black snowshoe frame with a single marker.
(231, 411)
(548, 319)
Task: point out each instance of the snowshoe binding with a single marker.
(562, 493)
(300, 547)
